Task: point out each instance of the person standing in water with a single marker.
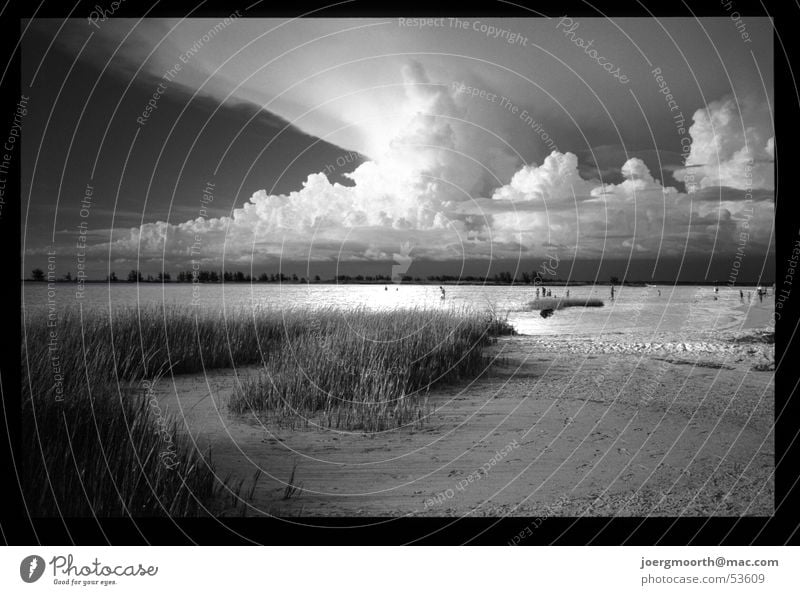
(442, 288)
(567, 293)
(612, 293)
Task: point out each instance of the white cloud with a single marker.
(555, 180)
(420, 190)
(637, 216)
(732, 145)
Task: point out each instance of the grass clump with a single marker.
(363, 370)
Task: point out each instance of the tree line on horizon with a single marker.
(211, 276)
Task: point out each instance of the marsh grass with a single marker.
(101, 449)
(101, 445)
(557, 303)
(365, 370)
(103, 455)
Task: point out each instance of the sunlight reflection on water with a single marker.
(634, 310)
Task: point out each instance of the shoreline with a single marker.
(601, 434)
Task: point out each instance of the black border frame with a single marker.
(782, 528)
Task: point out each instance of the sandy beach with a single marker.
(659, 423)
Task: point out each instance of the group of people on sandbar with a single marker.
(761, 292)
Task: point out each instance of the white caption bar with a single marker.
(389, 570)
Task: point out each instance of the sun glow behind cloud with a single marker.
(422, 188)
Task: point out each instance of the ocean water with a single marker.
(635, 310)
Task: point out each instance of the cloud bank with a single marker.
(424, 189)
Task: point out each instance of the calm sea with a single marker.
(634, 309)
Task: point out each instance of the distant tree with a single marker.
(614, 280)
(150, 278)
(113, 277)
(526, 278)
(134, 276)
(316, 278)
(37, 275)
(213, 277)
(294, 277)
(68, 276)
(263, 278)
(238, 277)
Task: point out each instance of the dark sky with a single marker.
(176, 152)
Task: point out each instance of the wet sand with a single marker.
(558, 426)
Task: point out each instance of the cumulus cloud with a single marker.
(420, 192)
(639, 216)
(556, 179)
(409, 186)
(732, 145)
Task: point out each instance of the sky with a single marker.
(634, 147)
